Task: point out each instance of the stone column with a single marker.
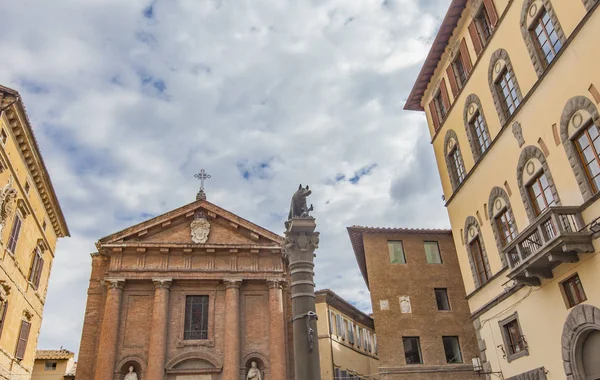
(276, 330)
(301, 240)
(231, 361)
(157, 348)
(107, 347)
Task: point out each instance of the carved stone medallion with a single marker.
(405, 306)
(200, 228)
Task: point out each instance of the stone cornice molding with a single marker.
(232, 283)
(162, 283)
(115, 283)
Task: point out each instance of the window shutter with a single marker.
(38, 275)
(3, 310)
(445, 98)
(475, 37)
(452, 79)
(491, 10)
(466, 57)
(434, 115)
(22, 342)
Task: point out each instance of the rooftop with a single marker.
(333, 299)
(413, 103)
(356, 238)
(61, 354)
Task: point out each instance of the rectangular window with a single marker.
(331, 322)
(35, 273)
(508, 91)
(50, 365)
(459, 71)
(441, 297)
(484, 29)
(440, 105)
(515, 342)
(337, 375)
(540, 193)
(14, 234)
(350, 332)
(358, 337)
(3, 313)
(479, 131)
(477, 253)
(452, 349)
(432, 252)
(396, 250)
(506, 227)
(544, 34)
(457, 165)
(365, 341)
(196, 318)
(22, 341)
(574, 291)
(588, 145)
(412, 350)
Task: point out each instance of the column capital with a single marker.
(276, 283)
(114, 283)
(164, 283)
(232, 283)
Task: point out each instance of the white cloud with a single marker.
(127, 108)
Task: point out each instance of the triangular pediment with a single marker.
(174, 228)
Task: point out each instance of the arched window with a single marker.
(476, 125)
(503, 85)
(542, 33)
(535, 182)
(454, 161)
(589, 4)
(480, 266)
(502, 219)
(579, 132)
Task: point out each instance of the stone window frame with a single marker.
(589, 4)
(582, 320)
(528, 153)
(468, 117)
(539, 63)
(574, 105)
(511, 318)
(494, 70)
(472, 222)
(451, 171)
(210, 342)
(499, 192)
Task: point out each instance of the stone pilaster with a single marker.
(158, 337)
(107, 348)
(276, 329)
(231, 360)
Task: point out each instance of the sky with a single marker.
(129, 99)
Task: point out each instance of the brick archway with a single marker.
(582, 320)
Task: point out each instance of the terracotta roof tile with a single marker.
(54, 354)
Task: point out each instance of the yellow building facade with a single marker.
(31, 221)
(347, 341)
(511, 93)
(54, 365)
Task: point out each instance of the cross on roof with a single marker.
(202, 176)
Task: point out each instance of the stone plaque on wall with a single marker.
(384, 304)
(405, 306)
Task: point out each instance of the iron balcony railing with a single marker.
(547, 229)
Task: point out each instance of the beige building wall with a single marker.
(26, 191)
(42, 372)
(337, 349)
(554, 332)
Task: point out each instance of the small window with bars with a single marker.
(196, 318)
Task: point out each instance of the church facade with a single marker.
(197, 293)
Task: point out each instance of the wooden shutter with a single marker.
(3, 310)
(38, 272)
(434, 115)
(445, 97)
(466, 57)
(491, 10)
(452, 79)
(475, 37)
(22, 342)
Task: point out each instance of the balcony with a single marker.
(557, 236)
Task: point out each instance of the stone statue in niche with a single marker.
(131, 375)
(200, 228)
(518, 132)
(8, 197)
(254, 372)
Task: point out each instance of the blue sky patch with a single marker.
(366, 170)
